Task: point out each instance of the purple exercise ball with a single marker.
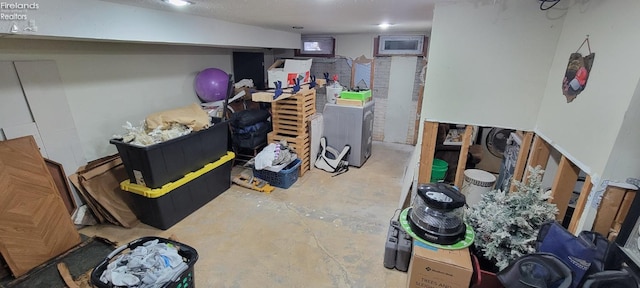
(211, 84)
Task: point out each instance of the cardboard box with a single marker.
(247, 92)
(288, 70)
(352, 102)
(439, 268)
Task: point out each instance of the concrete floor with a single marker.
(322, 232)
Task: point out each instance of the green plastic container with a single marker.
(438, 169)
(362, 95)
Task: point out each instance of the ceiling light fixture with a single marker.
(178, 3)
(384, 25)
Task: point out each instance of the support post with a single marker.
(563, 185)
(540, 151)
(521, 163)
(462, 159)
(580, 204)
(428, 148)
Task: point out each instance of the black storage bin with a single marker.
(166, 206)
(188, 253)
(158, 164)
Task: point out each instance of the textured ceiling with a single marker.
(316, 16)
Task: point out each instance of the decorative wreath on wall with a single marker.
(577, 73)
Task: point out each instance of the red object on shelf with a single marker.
(482, 278)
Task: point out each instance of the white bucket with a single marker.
(333, 93)
(476, 182)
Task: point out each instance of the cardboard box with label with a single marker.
(287, 70)
(432, 267)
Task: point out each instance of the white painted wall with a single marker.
(14, 111)
(45, 95)
(586, 129)
(102, 20)
(354, 45)
(401, 78)
(107, 84)
(624, 161)
(488, 64)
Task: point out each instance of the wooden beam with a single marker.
(580, 204)
(609, 206)
(373, 69)
(521, 163)
(66, 275)
(428, 148)
(539, 156)
(625, 206)
(563, 185)
(462, 159)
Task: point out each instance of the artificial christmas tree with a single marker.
(507, 224)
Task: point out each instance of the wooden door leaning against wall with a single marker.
(34, 223)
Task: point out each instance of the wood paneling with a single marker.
(523, 155)
(563, 185)
(609, 205)
(428, 147)
(462, 159)
(580, 204)
(540, 151)
(60, 178)
(34, 223)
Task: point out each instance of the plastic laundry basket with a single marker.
(283, 179)
(186, 279)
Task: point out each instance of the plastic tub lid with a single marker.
(166, 188)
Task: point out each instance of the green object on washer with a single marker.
(360, 95)
(468, 237)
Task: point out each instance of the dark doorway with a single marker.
(249, 65)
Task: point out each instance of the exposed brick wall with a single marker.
(380, 112)
(382, 68)
(416, 82)
(333, 66)
(381, 77)
(413, 113)
(412, 119)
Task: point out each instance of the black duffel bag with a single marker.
(251, 138)
(246, 118)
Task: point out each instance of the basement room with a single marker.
(353, 143)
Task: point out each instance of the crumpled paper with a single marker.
(138, 135)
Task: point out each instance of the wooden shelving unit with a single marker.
(290, 119)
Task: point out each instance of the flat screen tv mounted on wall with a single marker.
(316, 46)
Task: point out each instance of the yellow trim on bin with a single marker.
(166, 188)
